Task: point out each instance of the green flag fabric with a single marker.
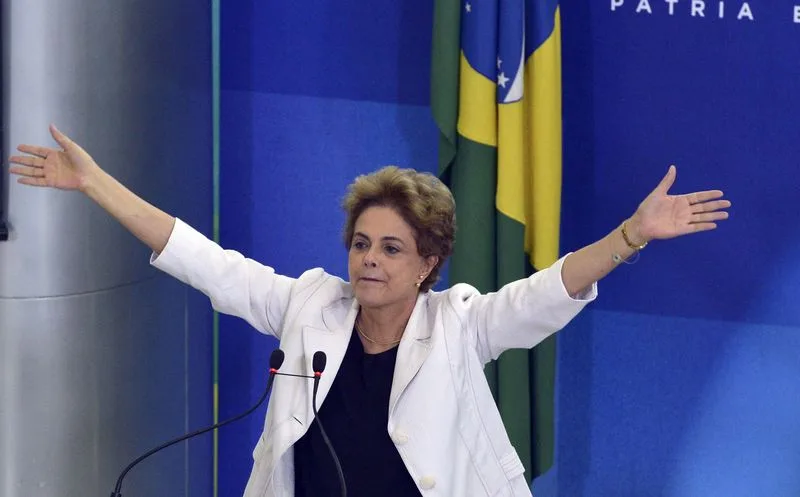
(496, 98)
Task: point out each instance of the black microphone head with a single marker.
(319, 361)
(276, 359)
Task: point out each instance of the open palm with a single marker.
(662, 216)
(64, 168)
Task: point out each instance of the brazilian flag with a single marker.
(496, 98)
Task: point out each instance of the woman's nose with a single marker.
(369, 259)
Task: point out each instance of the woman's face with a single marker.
(383, 263)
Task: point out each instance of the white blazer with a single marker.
(442, 417)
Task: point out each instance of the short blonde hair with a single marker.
(421, 199)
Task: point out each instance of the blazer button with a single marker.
(427, 482)
(399, 438)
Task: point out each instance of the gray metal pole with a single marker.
(101, 356)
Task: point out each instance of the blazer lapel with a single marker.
(332, 339)
(414, 348)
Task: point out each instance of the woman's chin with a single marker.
(374, 299)
(368, 298)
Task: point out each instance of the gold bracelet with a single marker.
(628, 240)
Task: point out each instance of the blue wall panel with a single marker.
(681, 379)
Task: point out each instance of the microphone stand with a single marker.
(318, 365)
(276, 359)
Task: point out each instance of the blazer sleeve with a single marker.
(519, 315)
(236, 285)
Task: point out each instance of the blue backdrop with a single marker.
(682, 379)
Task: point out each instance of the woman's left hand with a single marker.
(661, 216)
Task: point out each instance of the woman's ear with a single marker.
(429, 263)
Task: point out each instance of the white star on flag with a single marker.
(468, 7)
(502, 79)
(499, 61)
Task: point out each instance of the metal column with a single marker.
(101, 356)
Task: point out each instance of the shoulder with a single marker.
(321, 285)
(459, 294)
(457, 298)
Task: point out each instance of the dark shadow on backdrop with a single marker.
(574, 344)
(413, 88)
(238, 341)
(3, 153)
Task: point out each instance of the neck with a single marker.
(384, 324)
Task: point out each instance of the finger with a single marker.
(26, 160)
(709, 217)
(60, 137)
(42, 152)
(667, 181)
(710, 206)
(32, 181)
(33, 172)
(705, 196)
(698, 227)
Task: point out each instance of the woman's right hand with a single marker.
(71, 168)
(67, 169)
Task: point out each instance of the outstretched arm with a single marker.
(236, 285)
(660, 216)
(72, 168)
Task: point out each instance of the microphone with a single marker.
(318, 363)
(275, 362)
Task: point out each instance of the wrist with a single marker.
(90, 181)
(632, 233)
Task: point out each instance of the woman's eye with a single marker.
(392, 250)
(359, 245)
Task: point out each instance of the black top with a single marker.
(354, 415)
